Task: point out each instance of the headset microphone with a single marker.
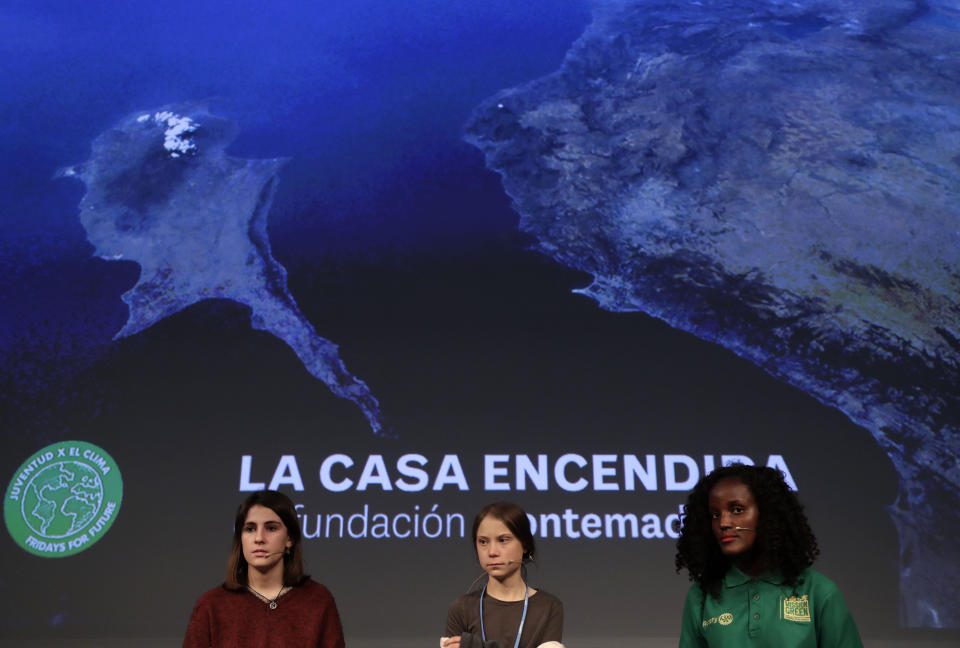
(482, 574)
(743, 529)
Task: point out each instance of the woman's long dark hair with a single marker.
(292, 558)
(784, 542)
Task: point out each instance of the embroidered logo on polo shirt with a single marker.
(797, 608)
(724, 619)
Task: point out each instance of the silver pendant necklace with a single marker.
(272, 603)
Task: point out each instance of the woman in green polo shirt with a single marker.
(748, 547)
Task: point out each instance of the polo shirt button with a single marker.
(756, 617)
(756, 597)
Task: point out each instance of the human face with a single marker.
(264, 538)
(499, 552)
(735, 516)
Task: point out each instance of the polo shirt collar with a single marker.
(734, 577)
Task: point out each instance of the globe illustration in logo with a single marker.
(62, 499)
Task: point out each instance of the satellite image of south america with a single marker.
(781, 179)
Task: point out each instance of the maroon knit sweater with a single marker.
(306, 617)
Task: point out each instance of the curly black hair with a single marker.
(784, 543)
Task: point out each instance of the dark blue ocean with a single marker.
(366, 98)
(358, 93)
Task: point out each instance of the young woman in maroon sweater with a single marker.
(266, 601)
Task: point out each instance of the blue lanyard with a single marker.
(526, 599)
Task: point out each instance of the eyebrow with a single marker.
(727, 502)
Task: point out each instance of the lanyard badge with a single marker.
(526, 599)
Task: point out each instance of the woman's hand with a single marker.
(451, 642)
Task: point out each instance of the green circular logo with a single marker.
(63, 499)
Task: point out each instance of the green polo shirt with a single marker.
(765, 612)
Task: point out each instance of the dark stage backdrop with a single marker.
(308, 246)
